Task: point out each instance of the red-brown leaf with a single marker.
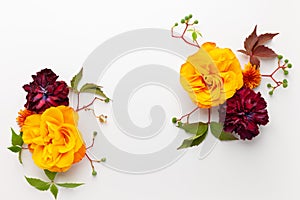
(263, 38)
(263, 51)
(255, 61)
(243, 51)
(250, 41)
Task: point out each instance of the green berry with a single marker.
(186, 17)
(271, 92)
(190, 16)
(289, 65)
(286, 72)
(196, 22)
(106, 100)
(285, 85)
(176, 24)
(279, 57)
(103, 159)
(269, 85)
(174, 120)
(95, 133)
(94, 173)
(286, 60)
(284, 81)
(182, 21)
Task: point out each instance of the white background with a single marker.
(61, 34)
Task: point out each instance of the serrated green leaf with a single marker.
(38, 184)
(15, 149)
(69, 185)
(217, 130)
(194, 36)
(195, 128)
(20, 157)
(16, 139)
(193, 141)
(54, 190)
(93, 89)
(76, 79)
(50, 175)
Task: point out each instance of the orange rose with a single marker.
(211, 75)
(54, 139)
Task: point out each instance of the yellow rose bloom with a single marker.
(54, 139)
(211, 75)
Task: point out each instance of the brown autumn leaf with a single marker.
(250, 41)
(264, 52)
(263, 38)
(255, 61)
(254, 47)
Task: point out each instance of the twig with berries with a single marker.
(94, 172)
(282, 67)
(188, 28)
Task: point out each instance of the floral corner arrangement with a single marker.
(48, 127)
(214, 80)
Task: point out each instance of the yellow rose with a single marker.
(54, 139)
(211, 75)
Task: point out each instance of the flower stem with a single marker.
(209, 115)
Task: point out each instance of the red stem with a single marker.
(88, 105)
(209, 110)
(188, 115)
(91, 161)
(93, 142)
(278, 83)
(182, 35)
(78, 101)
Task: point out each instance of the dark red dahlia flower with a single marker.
(245, 111)
(44, 91)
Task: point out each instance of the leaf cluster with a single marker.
(87, 87)
(200, 130)
(17, 143)
(255, 48)
(46, 185)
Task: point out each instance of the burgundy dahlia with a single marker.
(245, 111)
(44, 91)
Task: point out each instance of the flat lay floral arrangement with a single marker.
(48, 127)
(213, 77)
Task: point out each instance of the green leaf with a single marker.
(69, 185)
(193, 141)
(76, 79)
(15, 149)
(16, 139)
(199, 33)
(191, 30)
(93, 89)
(194, 36)
(50, 175)
(195, 128)
(54, 190)
(38, 184)
(217, 130)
